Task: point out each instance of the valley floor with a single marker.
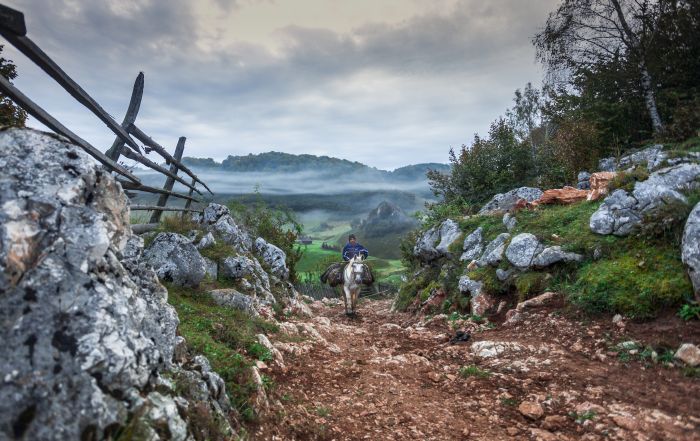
(387, 376)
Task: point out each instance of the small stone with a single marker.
(531, 410)
(512, 431)
(689, 354)
(553, 422)
(626, 422)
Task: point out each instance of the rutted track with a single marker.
(386, 376)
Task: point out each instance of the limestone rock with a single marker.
(491, 349)
(493, 254)
(621, 212)
(81, 328)
(425, 245)
(233, 299)
(502, 275)
(689, 354)
(449, 233)
(583, 180)
(551, 255)
(506, 201)
(273, 256)
(473, 245)
(211, 268)
(522, 250)
(175, 259)
(509, 221)
(250, 276)
(480, 302)
(212, 213)
(690, 248)
(435, 242)
(206, 241)
(217, 219)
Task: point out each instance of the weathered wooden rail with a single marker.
(14, 30)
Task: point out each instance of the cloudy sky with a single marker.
(384, 82)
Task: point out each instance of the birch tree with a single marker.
(584, 33)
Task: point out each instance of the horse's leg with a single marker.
(355, 293)
(346, 299)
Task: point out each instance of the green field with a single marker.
(315, 259)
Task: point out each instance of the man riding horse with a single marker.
(352, 249)
(353, 254)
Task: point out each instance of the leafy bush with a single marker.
(690, 311)
(626, 180)
(489, 166)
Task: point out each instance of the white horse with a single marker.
(354, 275)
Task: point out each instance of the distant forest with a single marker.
(289, 163)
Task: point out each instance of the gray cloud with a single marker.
(383, 94)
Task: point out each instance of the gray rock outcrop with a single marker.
(235, 300)
(480, 302)
(87, 330)
(509, 221)
(551, 255)
(522, 250)
(473, 245)
(493, 254)
(583, 180)
(273, 256)
(217, 219)
(206, 241)
(690, 248)
(506, 201)
(621, 212)
(175, 259)
(435, 242)
(249, 275)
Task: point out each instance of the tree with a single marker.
(582, 34)
(489, 166)
(10, 113)
(525, 115)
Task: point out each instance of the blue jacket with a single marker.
(350, 251)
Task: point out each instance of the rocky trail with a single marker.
(546, 376)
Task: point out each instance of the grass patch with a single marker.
(224, 336)
(637, 281)
(473, 371)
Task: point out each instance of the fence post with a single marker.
(133, 110)
(189, 201)
(169, 182)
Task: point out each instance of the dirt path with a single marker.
(386, 376)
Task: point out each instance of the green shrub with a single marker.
(690, 311)
(626, 180)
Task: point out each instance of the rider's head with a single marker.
(352, 239)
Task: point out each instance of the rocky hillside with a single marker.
(625, 241)
(92, 348)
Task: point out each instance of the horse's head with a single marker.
(355, 267)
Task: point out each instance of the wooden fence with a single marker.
(13, 29)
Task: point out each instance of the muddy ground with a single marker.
(551, 376)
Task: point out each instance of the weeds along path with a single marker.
(386, 376)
